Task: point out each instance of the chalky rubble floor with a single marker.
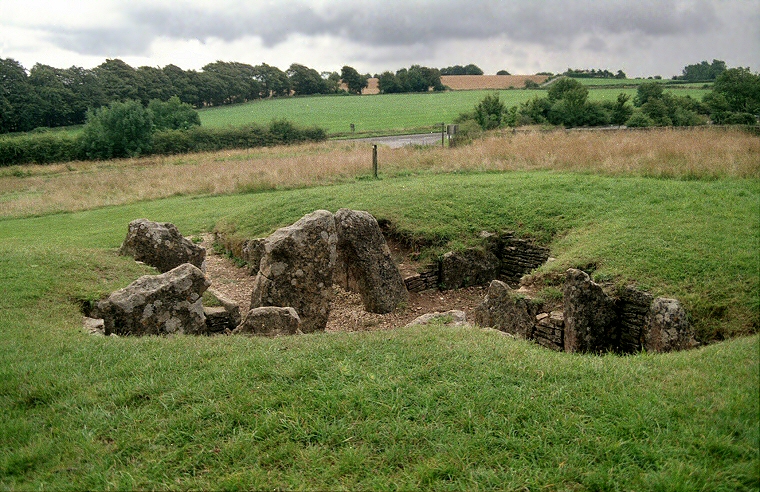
(347, 312)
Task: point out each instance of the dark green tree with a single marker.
(489, 112)
(741, 90)
(16, 98)
(305, 80)
(621, 111)
(647, 91)
(503, 72)
(387, 83)
(353, 79)
(122, 129)
(703, 72)
(117, 80)
(274, 82)
(173, 114)
(153, 83)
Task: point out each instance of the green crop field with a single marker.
(383, 113)
(424, 408)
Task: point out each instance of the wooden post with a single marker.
(443, 133)
(374, 159)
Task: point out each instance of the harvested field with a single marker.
(473, 82)
(481, 82)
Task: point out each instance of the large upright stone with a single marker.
(507, 310)
(472, 266)
(160, 245)
(590, 315)
(366, 260)
(296, 269)
(668, 327)
(164, 304)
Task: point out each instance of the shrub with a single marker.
(639, 120)
(119, 130)
(489, 112)
(39, 148)
(741, 119)
(173, 114)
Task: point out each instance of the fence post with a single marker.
(443, 132)
(374, 160)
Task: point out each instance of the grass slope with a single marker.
(387, 113)
(433, 408)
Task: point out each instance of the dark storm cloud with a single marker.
(552, 23)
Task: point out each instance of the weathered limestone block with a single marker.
(633, 311)
(590, 315)
(422, 281)
(473, 266)
(169, 303)
(507, 310)
(270, 321)
(224, 317)
(550, 329)
(668, 327)
(297, 270)
(448, 318)
(252, 253)
(367, 261)
(160, 245)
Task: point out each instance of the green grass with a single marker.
(423, 408)
(383, 113)
(634, 82)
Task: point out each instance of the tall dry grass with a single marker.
(703, 153)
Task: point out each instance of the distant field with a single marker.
(383, 113)
(634, 82)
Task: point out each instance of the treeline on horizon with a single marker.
(48, 97)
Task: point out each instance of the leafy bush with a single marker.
(119, 130)
(489, 112)
(639, 120)
(173, 114)
(39, 148)
(741, 119)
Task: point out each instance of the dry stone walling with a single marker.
(591, 321)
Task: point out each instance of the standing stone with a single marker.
(270, 321)
(668, 328)
(507, 311)
(169, 303)
(297, 270)
(160, 245)
(589, 315)
(473, 266)
(366, 259)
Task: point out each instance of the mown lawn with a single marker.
(431, 408)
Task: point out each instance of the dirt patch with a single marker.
(347, 314)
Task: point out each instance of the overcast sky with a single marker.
(641, 37)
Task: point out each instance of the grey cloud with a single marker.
(393, 23)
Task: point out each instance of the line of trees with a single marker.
(414, 79)
(49, 97)
(594, 74)
(470, 69)
(735, 99)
